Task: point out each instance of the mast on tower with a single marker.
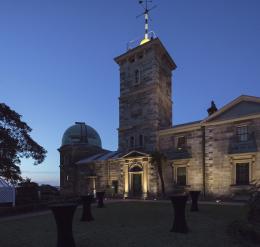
(144, 4)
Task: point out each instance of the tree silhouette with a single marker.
(16, 143)
(158, 159)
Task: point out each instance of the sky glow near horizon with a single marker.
(56, 62)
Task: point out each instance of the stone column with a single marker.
(145, 180)
(126, 187)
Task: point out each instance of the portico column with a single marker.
(94, 186)
(126, 173)
(145, 180)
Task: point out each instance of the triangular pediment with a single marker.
(135, 153)
(242, 106)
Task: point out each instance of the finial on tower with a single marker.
(144, 4)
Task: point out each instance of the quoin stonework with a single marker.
(218, 155)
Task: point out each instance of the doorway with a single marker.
(137, 184)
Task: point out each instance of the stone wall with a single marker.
(145, 97)
(220, 160)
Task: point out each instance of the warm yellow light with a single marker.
(145, 40)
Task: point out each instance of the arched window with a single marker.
(136, 169)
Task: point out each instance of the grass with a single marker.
(129, 224)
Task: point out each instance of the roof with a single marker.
(139, 48)
(109, 155)
(243, 107)
(236, 101)
(186, 124)
(81, 133)
(4, 184)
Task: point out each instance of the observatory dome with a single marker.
(80, 133)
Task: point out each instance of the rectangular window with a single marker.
(242, 133)
(137, 77)
(141, 140)
(181, 175)
(115, 186)
(242, 173)
(181, 142)
(132, 141)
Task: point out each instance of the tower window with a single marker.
(132, 141)
(141, 140)
(132, 59)
(137, 77)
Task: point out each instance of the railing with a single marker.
(238, 146)
(136, 42)
(179, 153)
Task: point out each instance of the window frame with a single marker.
(177, 176)
(179, 148)
(241, 135)
(177, 164)
(236, 173)
(235, 159)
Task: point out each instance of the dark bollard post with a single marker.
(63, 214)
(179, 204)
(194, 197)
(100, 198)
(86, 213)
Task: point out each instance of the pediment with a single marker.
(243, 106)
(135, 153)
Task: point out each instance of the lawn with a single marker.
(129, 224)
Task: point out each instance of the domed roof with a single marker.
(80, 133)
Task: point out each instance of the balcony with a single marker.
(178, 153)
(236, 145)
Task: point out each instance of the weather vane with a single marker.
(144, 4)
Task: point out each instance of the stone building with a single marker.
(219, 155)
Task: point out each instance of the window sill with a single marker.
(181, 186)
(240, 186)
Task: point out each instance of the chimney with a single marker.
(212, 108)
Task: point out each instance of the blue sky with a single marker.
(56, 62)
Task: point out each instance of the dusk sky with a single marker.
(56, 62)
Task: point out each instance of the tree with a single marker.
(158, 159)
(16, 143)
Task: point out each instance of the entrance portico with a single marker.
(135, 174)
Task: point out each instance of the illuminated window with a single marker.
(181, 175)
(181, 142)
(242, 173)
(242, 133)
